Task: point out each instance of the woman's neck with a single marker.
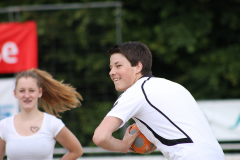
(32, 115)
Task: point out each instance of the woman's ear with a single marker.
(40, 93)
(15, 95)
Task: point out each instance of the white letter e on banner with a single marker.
(9, 51)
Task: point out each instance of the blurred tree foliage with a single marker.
(194, 43)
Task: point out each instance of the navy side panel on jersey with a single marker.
(168, 142)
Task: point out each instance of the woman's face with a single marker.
(27, 92)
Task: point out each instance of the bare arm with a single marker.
(103, 135)
(2, 148)
(68, 140)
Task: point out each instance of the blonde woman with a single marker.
(32, 134)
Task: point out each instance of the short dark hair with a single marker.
(135, 52)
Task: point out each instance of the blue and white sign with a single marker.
(8, 103)
(223, 117)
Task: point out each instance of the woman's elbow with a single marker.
(78, 150)
(80, 153)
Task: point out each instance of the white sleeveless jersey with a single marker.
(39, 146)
(168, 115)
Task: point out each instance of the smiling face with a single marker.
(27, 92)
(122, 73)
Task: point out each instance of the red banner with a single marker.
(18, 46)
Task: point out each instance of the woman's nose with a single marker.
(27, 94)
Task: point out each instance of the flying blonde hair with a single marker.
(56, 96)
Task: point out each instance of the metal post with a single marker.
(10, 16)
(118, 24)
